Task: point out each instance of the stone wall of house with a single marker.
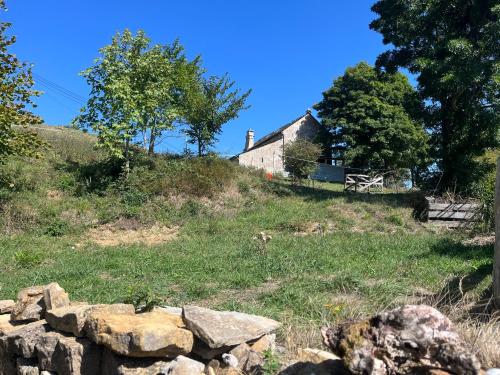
(270, 156)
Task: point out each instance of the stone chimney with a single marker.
(249, 140)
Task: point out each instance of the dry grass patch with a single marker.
(126, 232)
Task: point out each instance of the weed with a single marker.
(395, 219)
(27, 259)
(57, 228)
(142, 297)
(271, 363)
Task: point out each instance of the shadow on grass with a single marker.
(310, 193)
(454, 292)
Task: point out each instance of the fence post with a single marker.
(496, 265)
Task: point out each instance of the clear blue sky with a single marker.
(287, 51)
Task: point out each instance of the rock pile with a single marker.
(44, 333)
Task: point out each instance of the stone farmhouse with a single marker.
(267, 152)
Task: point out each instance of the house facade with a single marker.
(267, 152)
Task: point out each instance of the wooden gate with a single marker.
(362, 182)
(453, 214)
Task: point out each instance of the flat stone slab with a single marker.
(5, 325)
(71, 319)
(226, 328)
(154, 334)
(6, 306)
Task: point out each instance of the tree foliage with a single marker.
(211, 106)
(300, 158)
(372, 119)
(15, 97)
(138, 91)
(453, 48)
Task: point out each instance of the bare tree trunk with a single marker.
(126, 167)
(152, 140)
(496, 265)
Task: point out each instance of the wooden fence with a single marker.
(361, 183)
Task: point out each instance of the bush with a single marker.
(300, 158)
(483, 187)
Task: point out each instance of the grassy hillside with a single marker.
(211, 233)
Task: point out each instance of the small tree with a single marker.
(136, 89)
(15, 95)
(211, 106)
(300, 158)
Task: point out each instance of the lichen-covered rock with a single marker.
(76, 356)
(71, 319)
(153, 334)
(22, 340)
(407, 340)
(226, 328)
(6, 306)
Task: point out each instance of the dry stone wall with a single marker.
(43, 333)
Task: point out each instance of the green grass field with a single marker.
(332, 255)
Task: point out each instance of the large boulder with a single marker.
(183, 366)
(33, 302)
(407, 340)
(71, 319)
(226, 328)
(154, 334)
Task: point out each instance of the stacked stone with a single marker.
(44, 333)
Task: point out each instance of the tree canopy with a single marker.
(212, 105)
(452, 47)
(137, 92)
(15, 98)
(372, 119)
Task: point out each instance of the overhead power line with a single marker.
(59, 90)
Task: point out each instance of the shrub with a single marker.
(483, 187)
(300, 158)
(57, 228)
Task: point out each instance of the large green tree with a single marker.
(453, 48)
(138, 91)
(372, 119)
(211, 105)
(15, 98)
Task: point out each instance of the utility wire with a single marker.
(60, 90)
